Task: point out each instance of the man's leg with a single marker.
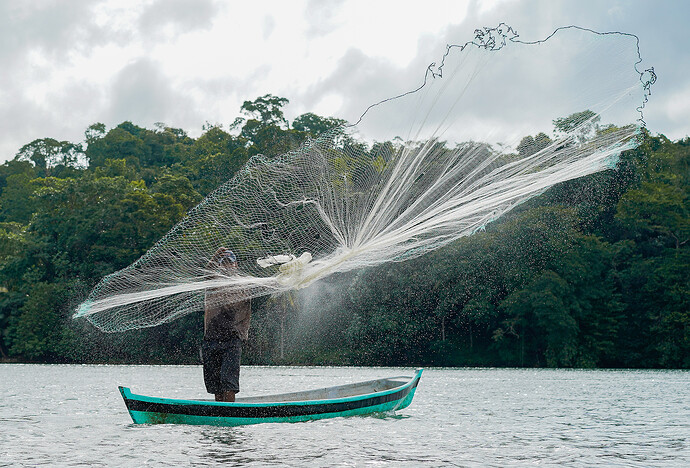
(212, 360)
(230, 371)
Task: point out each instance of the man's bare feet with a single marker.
(225, 396)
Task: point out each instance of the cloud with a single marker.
(496, 96)
(142, 94)
(676, 108)
(49, 30)
(61, 115)
(40, 41)
(322, 17)
(68, 63)
(360, 79)
(660, 26)
(173, 17)
(268, 26)
(51, 27)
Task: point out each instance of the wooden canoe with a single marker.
(374, 396)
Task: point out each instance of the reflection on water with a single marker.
(225, 445)
(386, 415)
(73, 415)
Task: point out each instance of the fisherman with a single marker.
(226, 327)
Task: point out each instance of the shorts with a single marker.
(221, 360)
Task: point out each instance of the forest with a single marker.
(593, 273)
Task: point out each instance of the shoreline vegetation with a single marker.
(594, 273)
(299, 365)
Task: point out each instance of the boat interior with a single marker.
(341, 391)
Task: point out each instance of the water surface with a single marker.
(69, 415)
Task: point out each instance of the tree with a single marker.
(37, 333)
(660, 209)
(581, 126)
(267, 130)
(16, 203)
(660, 205)
(668, 295)
(179, 188)
(316, 125)
(594, 299)
(586, 119)
(48, 154)
(13, 167)
(539, 321)
(530, 145)
(121, 142)
(214, 158)
(15, 259)
(267, 109)
(94, 132)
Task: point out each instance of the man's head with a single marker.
(227, 258)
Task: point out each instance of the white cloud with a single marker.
(67, 64)
(677, 109)
(678, 105)
(172, 17)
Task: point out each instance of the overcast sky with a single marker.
(67, 64)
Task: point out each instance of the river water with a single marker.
(69, 415)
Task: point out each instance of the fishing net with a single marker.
(416, 172)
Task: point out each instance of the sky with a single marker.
(66, 64)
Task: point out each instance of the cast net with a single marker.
(416, 172)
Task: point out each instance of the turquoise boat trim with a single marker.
(143, 417)
(155, 410)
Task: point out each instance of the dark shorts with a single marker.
(221, 360)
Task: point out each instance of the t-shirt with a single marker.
(227, 315)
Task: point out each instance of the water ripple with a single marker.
(459, 417)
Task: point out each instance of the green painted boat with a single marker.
(373, 396)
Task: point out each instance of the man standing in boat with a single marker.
(226, 326)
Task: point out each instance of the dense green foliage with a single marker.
(593, 273)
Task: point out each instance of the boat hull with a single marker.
(153, 410)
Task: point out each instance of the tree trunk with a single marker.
(2, 350)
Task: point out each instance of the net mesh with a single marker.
(458, 162)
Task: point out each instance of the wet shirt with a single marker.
(227, 315)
